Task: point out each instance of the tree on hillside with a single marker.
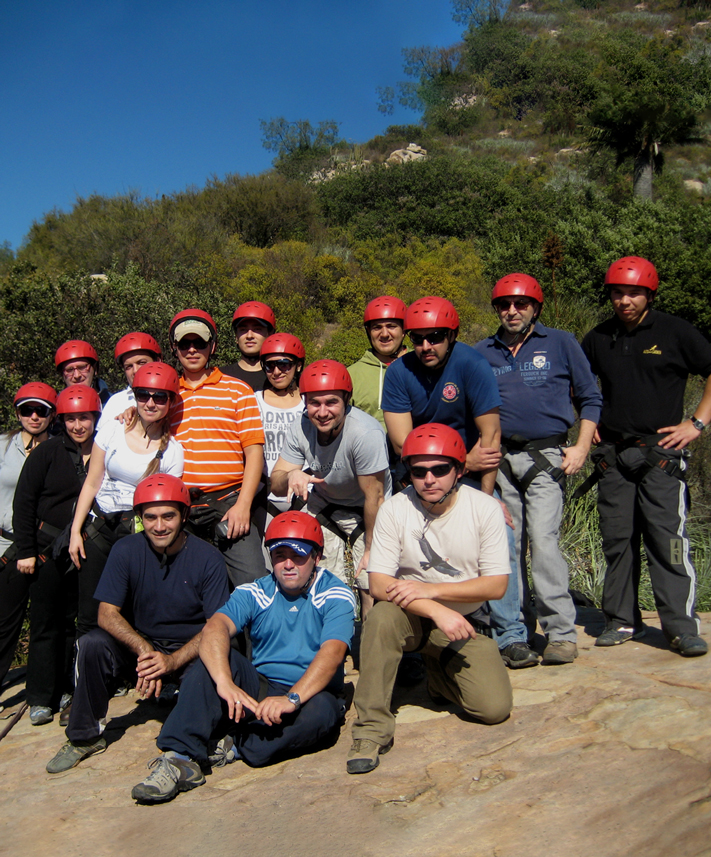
(298, 145)
(651, 95)
(476, 13)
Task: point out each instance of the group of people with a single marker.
(433, 467)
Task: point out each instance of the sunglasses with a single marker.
(437, 471)
(283, 365)
(160, 397)
(434, 337)
(519, 304)
(198, 343)
(28, 409)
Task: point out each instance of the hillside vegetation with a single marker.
(559, 137)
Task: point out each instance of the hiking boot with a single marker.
(40, 714)
(71, 754)
(363, 755)
(689, 645)
(617, 636)
(224, 753)
(170, 775)
(559, 652)
(518, 655)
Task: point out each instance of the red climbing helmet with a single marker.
(383, 308)
(161, 488)
(195, 321)
(156, 376)
(632, 271)
(325, 375)
(78, 399)
(437, 440)
(255, 310)
(75, 349)
(431, 312)
(36, 391)
(136, 341)
(517, 284)
(295, 525)
(283, 343)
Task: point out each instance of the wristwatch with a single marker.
(697, 424)
(294, 699)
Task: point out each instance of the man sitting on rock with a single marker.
(168, 583)
(429, 583)
(288, 699)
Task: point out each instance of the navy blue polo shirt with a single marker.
(536, 385)
(464, 389)
(169, 604)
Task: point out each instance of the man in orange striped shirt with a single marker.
(217, 422)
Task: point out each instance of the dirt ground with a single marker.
(607, 756)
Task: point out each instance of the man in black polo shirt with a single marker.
(643, 358)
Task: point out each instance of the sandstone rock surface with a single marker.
(608, 756)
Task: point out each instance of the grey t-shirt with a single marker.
(359, 450)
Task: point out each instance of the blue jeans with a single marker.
(537, 517)
(506, 624)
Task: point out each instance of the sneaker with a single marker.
(71, 754)
(40, 714)
(363, 757)
(65, 709)
(559, 652)
(617, 636)
(518, 655)
(170, 775)
(224, 753)
(689, 645)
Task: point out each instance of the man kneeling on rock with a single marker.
(439, 551)
(288, 699)
(168, 584)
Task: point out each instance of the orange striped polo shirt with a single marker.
(214, 421)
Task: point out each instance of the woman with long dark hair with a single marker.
(47, 490)
(123, 454)
(280, 402)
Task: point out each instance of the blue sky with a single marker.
(110, 96)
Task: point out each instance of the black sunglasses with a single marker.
(437, 471)
(434, 337)
(29, 408)
(198, 343)
(160, 397)
(283, 365)
(518, 303)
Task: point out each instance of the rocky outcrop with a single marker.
(607, 756)
(413, 152)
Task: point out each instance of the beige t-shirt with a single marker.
(468, 541)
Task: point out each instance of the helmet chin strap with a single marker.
(452, 490)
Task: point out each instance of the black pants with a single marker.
(201, 715)
(649, 509)
(53, 611)
(14, 591)
(100, 665)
